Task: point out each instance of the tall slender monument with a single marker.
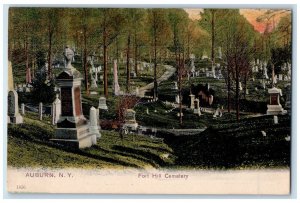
(72, 127)
(13, 115)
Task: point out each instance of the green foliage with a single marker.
(280, 56)
(42, 89)
(40, 58)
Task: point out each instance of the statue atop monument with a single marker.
(68, 54)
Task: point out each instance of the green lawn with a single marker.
(29, 145)
(226, 143)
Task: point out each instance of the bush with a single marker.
(43, 89)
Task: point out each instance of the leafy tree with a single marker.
(178, 19)
(159, 29)
(239, 49)
(84, 22)
(110, 27)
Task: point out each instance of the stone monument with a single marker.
(41, 111)
(192, 101)
(56, 110)
(197, 107)
(274, 106)
(10, 77)
(219, 53)
(13, 108)
(94, 129)
(13, 115)
(93, 87)
(72, 127)
(102, 103)
(177, 99)
(130, 121)
(192, 58)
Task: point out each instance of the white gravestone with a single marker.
(102, 103)
(130, 121)
(274, 106)
(192, 58)
(192, 101)
(13, 108)
(56, 110)
(177, 100)
(93, 125)
(197, 107)
(41, 111)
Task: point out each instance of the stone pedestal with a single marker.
(130, 121)
(274, 107)
(13, 108)
(72, 127)
(102, 103)
(192, 101)
(94, 87)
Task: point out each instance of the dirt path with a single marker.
(170, 70)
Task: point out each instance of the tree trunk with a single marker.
(228, 89)
(27, 61)
(135, 53)
(237, 94)
(49, 76)
(105, 65)
(245, 83)
(155, 66)
(85, 65)
(213, 38)
(181, 68)
(128, 64)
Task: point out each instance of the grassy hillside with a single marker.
(29, 145)
(231, 144)
(225, 144)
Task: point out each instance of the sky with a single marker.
(250, 14)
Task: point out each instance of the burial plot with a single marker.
(72, 128)
(130, 121)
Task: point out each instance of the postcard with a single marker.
(149, 100)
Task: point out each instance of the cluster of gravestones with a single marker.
(215, 71)
(72, 128)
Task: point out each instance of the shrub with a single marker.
(43, 89)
